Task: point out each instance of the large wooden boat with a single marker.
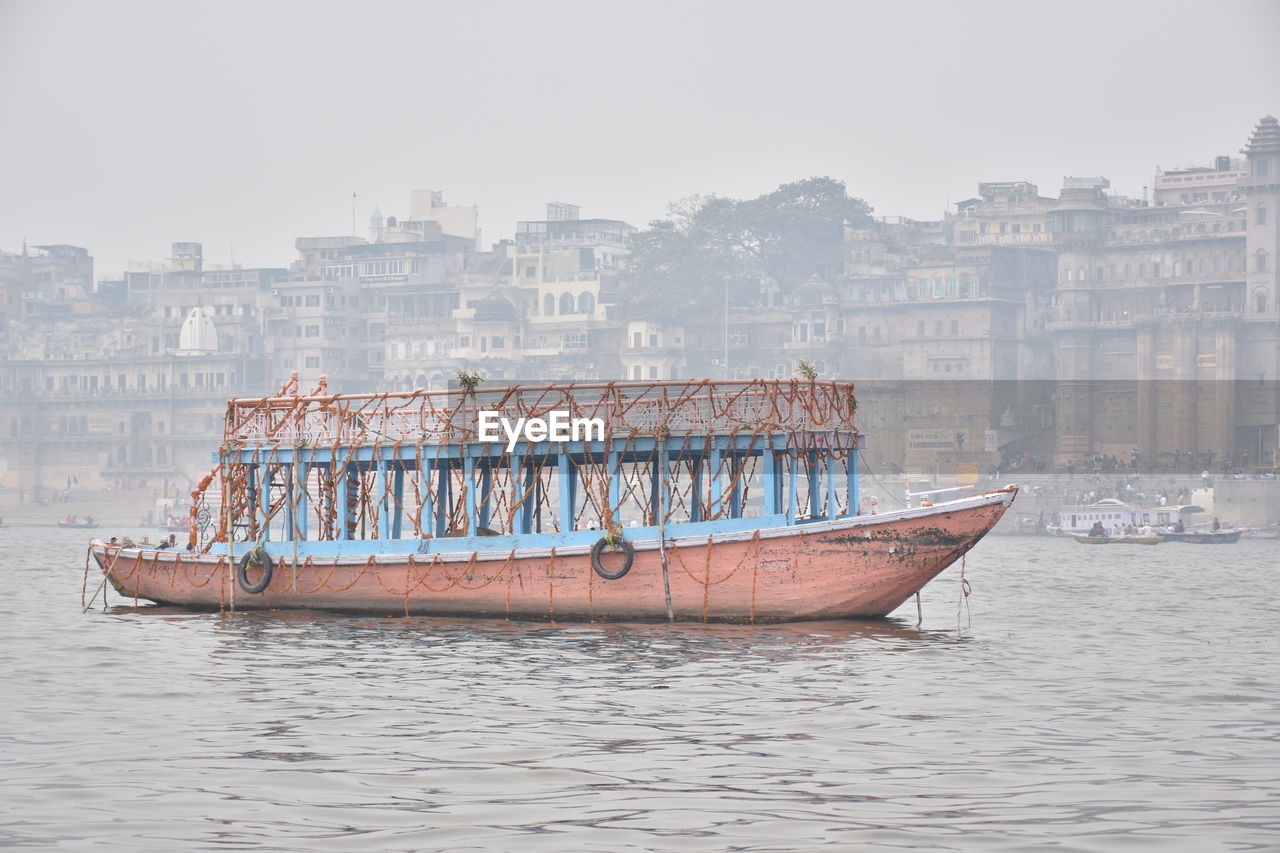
(709, 501)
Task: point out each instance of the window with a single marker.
(549, 305)
(378, 268)
(922, 288)
(566, 303)
(586, 303)
(973, 285)
(653, 340)
(1262, 303)
(530, 272)
(955, 327)
(653, 373)
(313, 301)
(313, 361)
(953, 287)
(1262, 261)
(937, 288)
(313, 331)
(499, 342)
(1261, 217)
(1262, 167)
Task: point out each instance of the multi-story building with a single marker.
(1166, 324)
(1005, 213)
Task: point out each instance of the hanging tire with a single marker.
(263, 561)
(597, 549)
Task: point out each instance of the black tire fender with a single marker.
(263, 560)
(619, 543)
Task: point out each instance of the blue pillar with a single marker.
(831, 487)
(264, 499)
(444, 496)
(568, 491)
(855, 497)
(793, 486)
(655, 486)
(340, 494)
(469, 491)
(815, 484)
(383, 491)
(615, 487)
(425, 508)
(251, 494)
(769, 482)
(486, 493)
(716, 505)
(522, 504)
(735, 487)
(299, 526)
(397, 500)
(695, 490)
(664, 486)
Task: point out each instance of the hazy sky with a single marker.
(130, 125)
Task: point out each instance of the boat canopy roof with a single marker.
(817, 414)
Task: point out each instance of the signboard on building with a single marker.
(1073, 444)
(931, 439)
(1164, 362)
(99, 425)
(1207, 359)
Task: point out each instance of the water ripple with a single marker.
(1090, 704)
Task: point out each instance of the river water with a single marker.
(1105, 698)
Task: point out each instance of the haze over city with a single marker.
(133, 125)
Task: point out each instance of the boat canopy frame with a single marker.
(408, 471)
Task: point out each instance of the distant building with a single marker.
(1180, 296)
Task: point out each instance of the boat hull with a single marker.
(858, 567)
(1219, 538)
(1119, 540)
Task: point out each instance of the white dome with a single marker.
(198, 335)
